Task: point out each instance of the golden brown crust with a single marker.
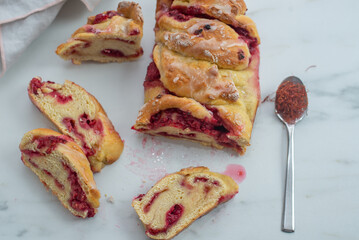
(121, 33)
(191, 78)
(194, 206)
(68, 153)
(204, 39)
(231, 12)
(110, 145)
(131, 10)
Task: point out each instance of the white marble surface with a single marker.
(296, 34)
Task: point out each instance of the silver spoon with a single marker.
(288, 100)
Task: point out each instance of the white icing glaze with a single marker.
(202, 83)
(226, 9)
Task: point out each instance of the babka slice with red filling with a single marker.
(63, 168)
(112, 36)
(178, 199)
(203, 83)
(78, 114)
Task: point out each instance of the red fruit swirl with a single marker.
(183, 120)
(71, 127)
(172, 217)
(35, 84)
(104, 16)
(49, 142)
(78, 199)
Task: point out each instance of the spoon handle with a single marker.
(288, 207)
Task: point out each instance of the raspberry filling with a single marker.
(113, 53)
(183, 120)
(147, 208)
(71, 127)
(225, 198)
(78, 199)
(36, 84)
(172, 217)
(33, 163)
(134, 32)
(153, 73)
(203, 179)
(94, 124)
(119, 54)
(179, 16)
(57, 183)
(152, 77)
(139, 197)
(104, 16)
(59, 97)
(32, 153)
(49, 142)
(185, 184)
(191, 11)
(250, 41)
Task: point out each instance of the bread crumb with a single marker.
(110, 200)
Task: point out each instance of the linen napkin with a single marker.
(22, 21)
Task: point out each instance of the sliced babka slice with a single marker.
(178, 199)
(63, 168)
(78, 114)
(112, 36)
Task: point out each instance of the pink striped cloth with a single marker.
(17, 17)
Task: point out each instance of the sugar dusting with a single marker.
(148, 161)
(236, 171)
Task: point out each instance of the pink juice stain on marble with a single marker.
(144, 141)
(236, 171)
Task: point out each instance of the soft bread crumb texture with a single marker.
(197, 190)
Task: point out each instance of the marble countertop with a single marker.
(316, 40)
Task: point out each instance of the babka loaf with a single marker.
(78, 114)
(203, 83)
(112, 36)
(63, 168)
(178, 199)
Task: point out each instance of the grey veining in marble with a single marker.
(316, 40)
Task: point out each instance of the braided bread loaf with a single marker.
(203, 83)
